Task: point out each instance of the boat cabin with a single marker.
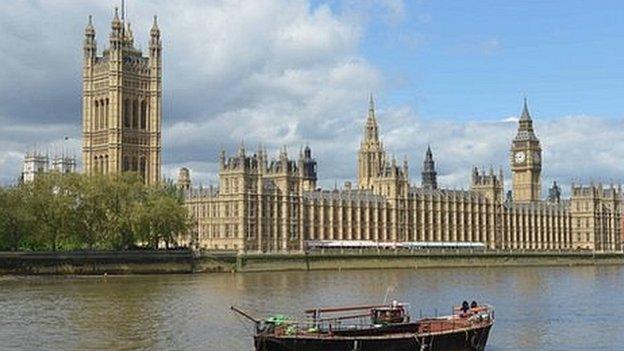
(391, 314)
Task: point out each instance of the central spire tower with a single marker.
(371, 154)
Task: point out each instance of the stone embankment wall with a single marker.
(184, 261)
(96, 262)
(415, 260)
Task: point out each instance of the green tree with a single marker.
(15, 221)
(72, 211)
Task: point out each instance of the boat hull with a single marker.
(473, 339)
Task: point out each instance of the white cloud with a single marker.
(575, 148)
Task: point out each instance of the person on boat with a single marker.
(465, 306)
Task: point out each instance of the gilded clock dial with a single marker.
(519, 157)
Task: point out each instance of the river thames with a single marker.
(537, 308)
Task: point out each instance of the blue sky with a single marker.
(472, 60)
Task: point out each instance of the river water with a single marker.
(538, 308)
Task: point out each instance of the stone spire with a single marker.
(525, 111)
(155, 31)
(128, 35)
(116, 36)
(89, 29)
(554, 193)
(222, 157)
(429, 174)
(371, 132)
(371, 155)
(241, 149)
(116, 23)
(90, 48)
(525, 125)
(155, 43)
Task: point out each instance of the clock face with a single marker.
(519, 156)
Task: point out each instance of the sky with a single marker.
(452, 74)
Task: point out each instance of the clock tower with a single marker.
(526, 161)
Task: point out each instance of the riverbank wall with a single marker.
(186, 261)
(96, 262)
(417, 260)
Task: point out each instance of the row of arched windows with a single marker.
(101, 114)
(130, 164)
(135, 114)
(135, 164)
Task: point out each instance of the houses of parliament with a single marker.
(265, 204)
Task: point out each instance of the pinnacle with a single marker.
(155, 24)
(525, 111)
(89, 29)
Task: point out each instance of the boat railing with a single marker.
(335, 322)
(328, 326)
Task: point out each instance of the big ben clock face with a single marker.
(519, 157)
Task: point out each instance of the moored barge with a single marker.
(385, 327)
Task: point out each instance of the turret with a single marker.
(222, 159)
(116, 36)
(155, 42)
(128, 35)
(184, 179)
(405, 168)
(487, 184)
(155, 87)
(307, 169)
(90, 46)
(429, 174)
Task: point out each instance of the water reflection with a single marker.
(539, 308)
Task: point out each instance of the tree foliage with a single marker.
(73, 211)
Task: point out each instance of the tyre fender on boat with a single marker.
(475, 342)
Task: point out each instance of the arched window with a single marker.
(126, 164)
(95, 165)
(96, 114)
(106, 161)
(106, 115)
(143, 115)
(126, 113)
(102, 113)
(135, 114)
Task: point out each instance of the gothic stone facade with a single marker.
(122, 104)
(268, 206)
